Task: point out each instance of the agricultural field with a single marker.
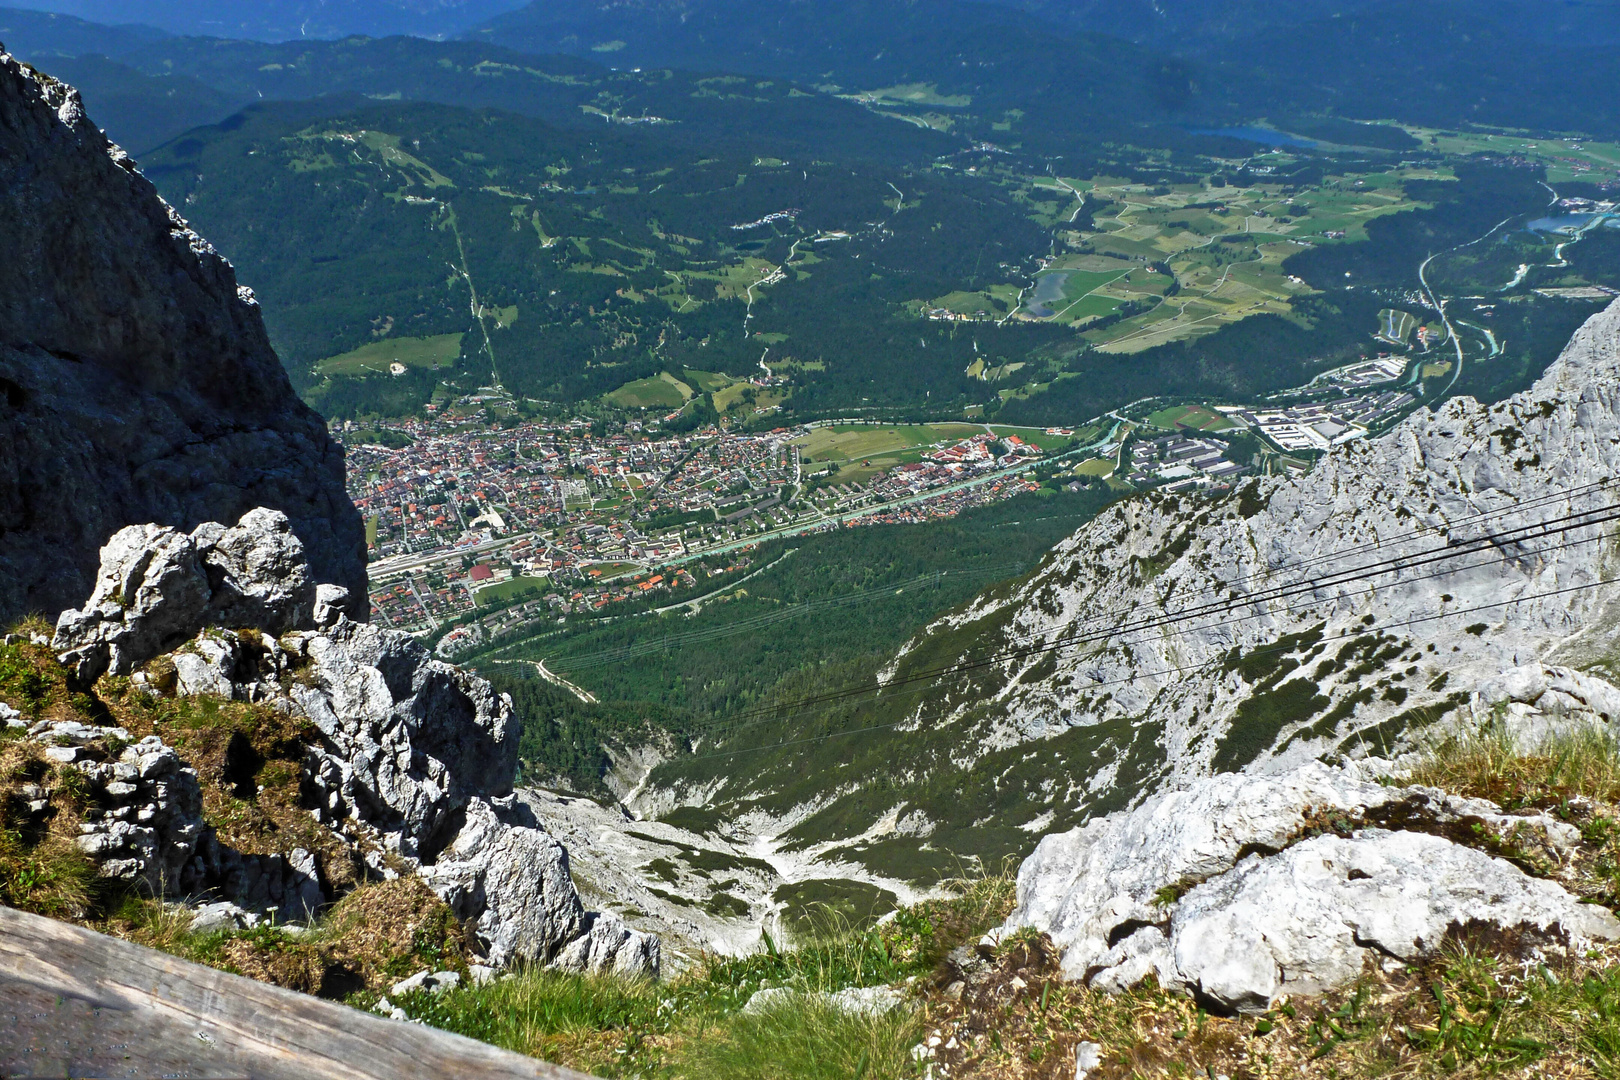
(1101, 467)
(378, 358)
(1071, 295)
(707, 381)
(861, 450)
(1223, 245)
(1566, 159)
(660, 391)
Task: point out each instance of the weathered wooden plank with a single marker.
(74, 1003)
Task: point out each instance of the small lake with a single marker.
(1569, 223)
(1048, 291)
(1263, 136)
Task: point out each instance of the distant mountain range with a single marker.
(1069, 65)
(285, 20)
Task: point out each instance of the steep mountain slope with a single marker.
(1462, 566)
(138, 383)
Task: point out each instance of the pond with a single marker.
(1569, 224)
(1048, 291)
(1263, 136)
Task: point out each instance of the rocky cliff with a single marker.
(269, 766)
(136, 380)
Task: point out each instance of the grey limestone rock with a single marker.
(1223, 888)
(855, 1001)
(145, 815)
(158, 586)
(137, 383)
(1307, 920)
(415, 760)
(432, 982)
(221, 915)
(407, 740)
(608, 946)
(1331, 613)
(511, 883)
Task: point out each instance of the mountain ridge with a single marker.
(1340, 614)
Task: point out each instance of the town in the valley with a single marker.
(481, 524)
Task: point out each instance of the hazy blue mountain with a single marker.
(1198, 26)
(1066, 67)
(283, 20)
(40, 33)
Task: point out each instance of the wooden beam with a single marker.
(75, 1003)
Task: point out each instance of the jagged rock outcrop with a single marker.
(136, 380)
(1241, 889)
(1335, 611)
(413, 767)
(158, 585)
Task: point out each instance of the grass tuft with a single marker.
(1490, 764)
(807, 1039)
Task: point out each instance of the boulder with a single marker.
(159, 586)
(608, 946)
(1224, 888)
(1306, 921)
(406, 740)
(510, 884)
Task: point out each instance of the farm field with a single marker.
(707, 381)
(860, 450)
(1566, 159)
(1095, 467)
(660, 391)
(439, 351)
(1224, 246)
(1072, 296)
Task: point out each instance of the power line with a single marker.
(1562, 525)
(1175, 670)
(784, 712)
(796, 712)
(1171, 619)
